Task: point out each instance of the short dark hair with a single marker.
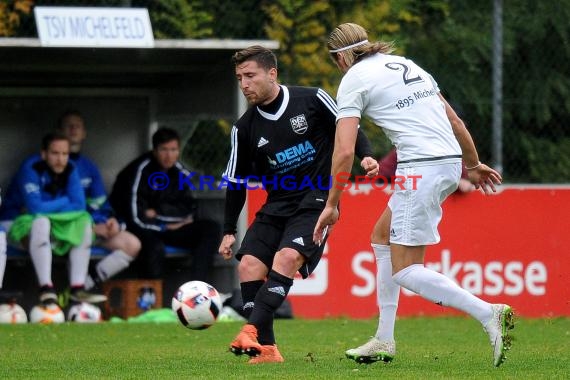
(261, 55)
(68, 112)
(51, 137)
(164, 135)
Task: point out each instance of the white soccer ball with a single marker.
(84, 313)
(197, 305)
(47, 314)
(12, 313)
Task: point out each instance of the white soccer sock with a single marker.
(89, 283)
(112, 264)
(40, 250)
(3, 256)
(79, 258)
(387, 292)
(437, 288)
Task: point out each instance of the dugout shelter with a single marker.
(125, 94)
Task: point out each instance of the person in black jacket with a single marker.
(285, 139)
(151, 196)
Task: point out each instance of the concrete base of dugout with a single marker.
(20, 274)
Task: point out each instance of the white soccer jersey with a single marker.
(401, 98)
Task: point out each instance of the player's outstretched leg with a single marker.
(372, 351)
(246, 342)
(498, 329)
(269, 354)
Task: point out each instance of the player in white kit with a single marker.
(431, 140)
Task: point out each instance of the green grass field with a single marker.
(428, 348)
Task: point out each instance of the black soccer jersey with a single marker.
(289, 151)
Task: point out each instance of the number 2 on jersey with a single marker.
(397, 66)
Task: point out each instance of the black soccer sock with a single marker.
(248, 291)
(268, 299)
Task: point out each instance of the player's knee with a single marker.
(251, 268)
(132, 246)
(287, 261)
(126, 242)
(40, 231)
(381, 234)
(376, 239)
(380, 237)
(41, 223)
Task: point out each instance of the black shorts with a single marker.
(269, 233)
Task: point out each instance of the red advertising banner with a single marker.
(511, 247)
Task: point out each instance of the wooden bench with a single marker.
(124, 297)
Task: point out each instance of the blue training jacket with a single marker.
(35, 189)
(92, 183)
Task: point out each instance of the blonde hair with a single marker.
(352, 40)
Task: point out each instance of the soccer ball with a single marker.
(47, 314)
(197, 305)
(12, 313)
(84, 313)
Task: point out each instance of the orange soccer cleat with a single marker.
(246, 342)
(268, 354)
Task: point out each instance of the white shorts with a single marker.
(416, 209)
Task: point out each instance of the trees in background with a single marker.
(11, 14)
(450, 38)
(454, 42)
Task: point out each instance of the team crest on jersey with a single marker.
(299, 124)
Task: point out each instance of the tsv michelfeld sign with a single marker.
(94, 27)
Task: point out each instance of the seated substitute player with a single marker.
(285, 139)
(5, 296)
(45, 210)
(150, 196)
(123, 245)
(431, 141)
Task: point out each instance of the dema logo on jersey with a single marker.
(292, 157)
(299, 124)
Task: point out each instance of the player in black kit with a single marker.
(285, 140)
